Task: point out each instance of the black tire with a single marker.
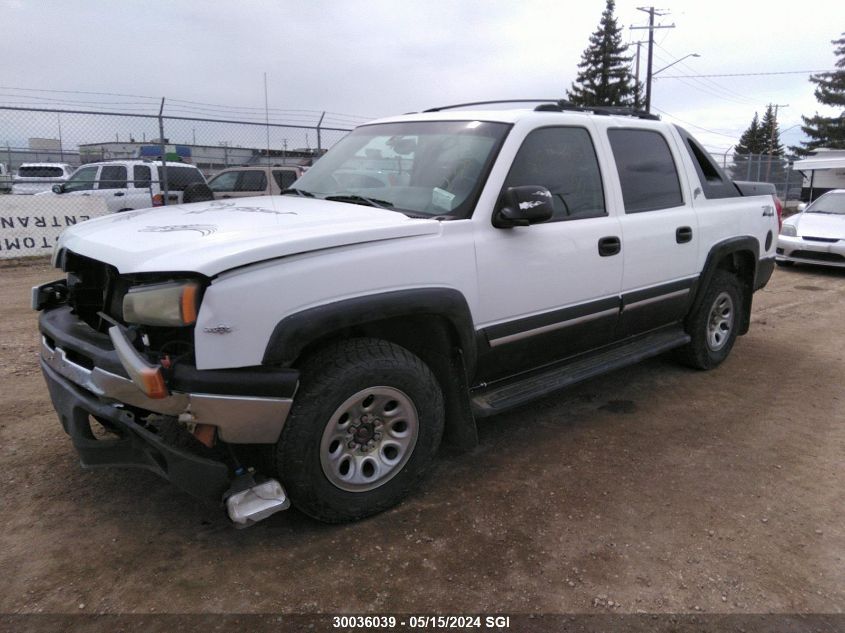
(702, 352)
(783, 263)
(329, 380)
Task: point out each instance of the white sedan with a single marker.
(816, 235)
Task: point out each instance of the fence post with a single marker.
(786, 185)
(163, 152)
(319, 136)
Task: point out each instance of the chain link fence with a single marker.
(776, 170)
(44, 153)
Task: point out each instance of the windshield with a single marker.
(422, 168)
(829, 203)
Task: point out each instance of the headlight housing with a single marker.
(171, 304)
(789, 230)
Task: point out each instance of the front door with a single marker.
(550, 290)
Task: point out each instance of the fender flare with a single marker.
(296, 331)
(718, 251)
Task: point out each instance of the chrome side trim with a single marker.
(645, 302)
(551, 327)
(239, 419)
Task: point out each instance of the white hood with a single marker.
(830, 225)
(211, 237)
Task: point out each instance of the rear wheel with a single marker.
(364, 429)
(714, 326)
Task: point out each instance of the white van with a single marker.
(130, 184)
(37, 177)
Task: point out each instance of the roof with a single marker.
(819, 162)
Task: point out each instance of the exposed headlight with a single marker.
(171, 304)
(789, 230)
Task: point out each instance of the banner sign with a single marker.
(30, 225)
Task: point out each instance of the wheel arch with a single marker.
(435, 324)
(738, 255)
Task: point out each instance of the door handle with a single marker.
(609, 246)
(118, 194)
(683, 234)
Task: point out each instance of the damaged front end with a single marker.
(138, 382)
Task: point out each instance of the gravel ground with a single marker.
(652, 489)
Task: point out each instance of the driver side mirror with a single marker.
(522, 206)
(801, 207)
(60, 188)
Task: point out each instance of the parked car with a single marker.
(816, 234)
(242, 182)
(315, 347)
(130, 184)
(5, 179)
(34, 178)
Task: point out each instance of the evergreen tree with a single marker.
(753, 140)
(604, 77)
(830, 90)
(770, 133)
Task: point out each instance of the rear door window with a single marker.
(284, 178)
(647, 171)
(142, 177)
(252, 181)
(112, 177)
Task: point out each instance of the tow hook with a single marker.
(252, 498)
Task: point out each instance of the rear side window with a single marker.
(41, 172)
(180, 177)
(113, 177)
(252, 181)
(284, 178)
(647, 172)
(563, 160)
(142, 177)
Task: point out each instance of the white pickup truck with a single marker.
(432, 269)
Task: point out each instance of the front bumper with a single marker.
(86, 379)
(135, 446)
(248, 406)
(811, 251)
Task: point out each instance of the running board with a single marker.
(501, 397)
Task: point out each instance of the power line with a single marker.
(780, 72)
(731, 136)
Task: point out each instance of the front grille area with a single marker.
(821, 257)
(93, 287)
(820, 239)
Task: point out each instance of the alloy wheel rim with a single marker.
(369, 439)
(720, 322)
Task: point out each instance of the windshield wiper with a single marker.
(299, 192)
(357, 199)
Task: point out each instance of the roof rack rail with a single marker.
(477, 103)
(559, 105)
(566, 106)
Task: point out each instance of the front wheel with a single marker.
(364, 429)
(713, 327)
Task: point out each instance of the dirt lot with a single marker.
(656, 489)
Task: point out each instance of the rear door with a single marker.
(660, 235)
(112, 187)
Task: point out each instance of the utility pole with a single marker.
(651, 26)
(772, 137)
(637, 95)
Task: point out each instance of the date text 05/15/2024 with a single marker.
(422, 622)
